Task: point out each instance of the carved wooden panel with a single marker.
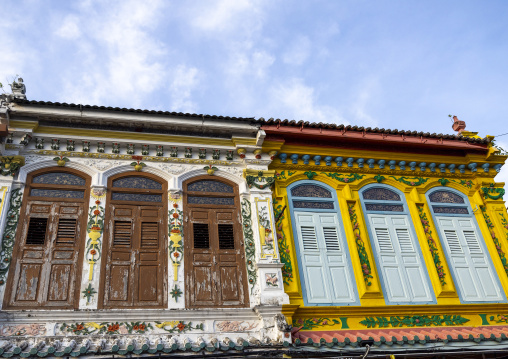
(215, 273)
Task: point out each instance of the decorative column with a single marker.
(93, 249)
(175, 251)
(261, 228)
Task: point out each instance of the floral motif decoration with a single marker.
(310, 174)
(493, 192)
(282, 175)
(500, 318)
(411, 181)
(432, 245)
(84, 328)
(138, 165)
(235, 326)
(379, 178)
(255, 181)
(178, 326)
(443, 181)
(250, 248)
(175, 228)
(9, 233)
(496, 241)
(61, 160)
(89, 292)
(9, 165)
(311, 323)
(18, 330)
(344, 178)
(265, 229)
(176, 293)
(95, 227)
(360, 246)
(465, 183)
(414, 321)
(504, 222)
(285, 258)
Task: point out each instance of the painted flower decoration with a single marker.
(180, 326)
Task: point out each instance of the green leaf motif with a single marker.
(411, 181)
(285, 258)
(344, 178)
(250, 247)
(413, 321)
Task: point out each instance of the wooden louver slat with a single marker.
(149, 235)
(201, 236)
(226, 236)
(331, 239)
(453, 242)
(384, 240)
(122, 234)
(36, 231)
(309, 238)
(66, 233)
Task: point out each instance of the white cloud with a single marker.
(300, 101)
(69, 29)
(185, 79)
(363, 99)
(298, 52)
(222, 15)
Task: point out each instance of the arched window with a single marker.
(467, 256)
(325, 267)
(215, 269)
(134, 266)
(46, 269)
(399, 259)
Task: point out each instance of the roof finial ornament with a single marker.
(18, 89)
(458, 126)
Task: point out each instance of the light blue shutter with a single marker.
(402, 269)
(324, 260)
(473, 272)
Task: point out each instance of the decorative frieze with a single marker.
(285, 257)
(350, 178)
(414, 321)
(496, 241)
(492, 192)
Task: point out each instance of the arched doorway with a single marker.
(215, 274)
(47, 254)
(134, 267)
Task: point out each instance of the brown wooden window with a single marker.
(46, 266)
(134, 273)
(215, 273)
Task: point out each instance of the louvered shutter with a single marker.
(324, 261)
(473, 271)
(402, 269)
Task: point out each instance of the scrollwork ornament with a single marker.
(9, 233)
(250, 247)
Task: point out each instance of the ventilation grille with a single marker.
(149, 235)
(201, 238)
(226, 236)
(36, 231)
(122, 234)
(331, 239)
(453, 242)
(472, 242)
(384, 240)
(405, 242)
(309, 238)
(66, 234)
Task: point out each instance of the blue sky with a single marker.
(392, 64)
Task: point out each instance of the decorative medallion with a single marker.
(310, 175)
(89, 292)
(10, 165)
(259, 179)
(493, 192)
(176, 293)
(138, 165)
(210, 169)
(61, 161)
(379, 178)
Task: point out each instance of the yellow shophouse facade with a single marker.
(392, 239)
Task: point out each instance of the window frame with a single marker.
(483, 245)
(372, 238)
(341, 232)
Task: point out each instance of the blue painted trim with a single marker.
(467, 204)
(342, 238)
(372, 238)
